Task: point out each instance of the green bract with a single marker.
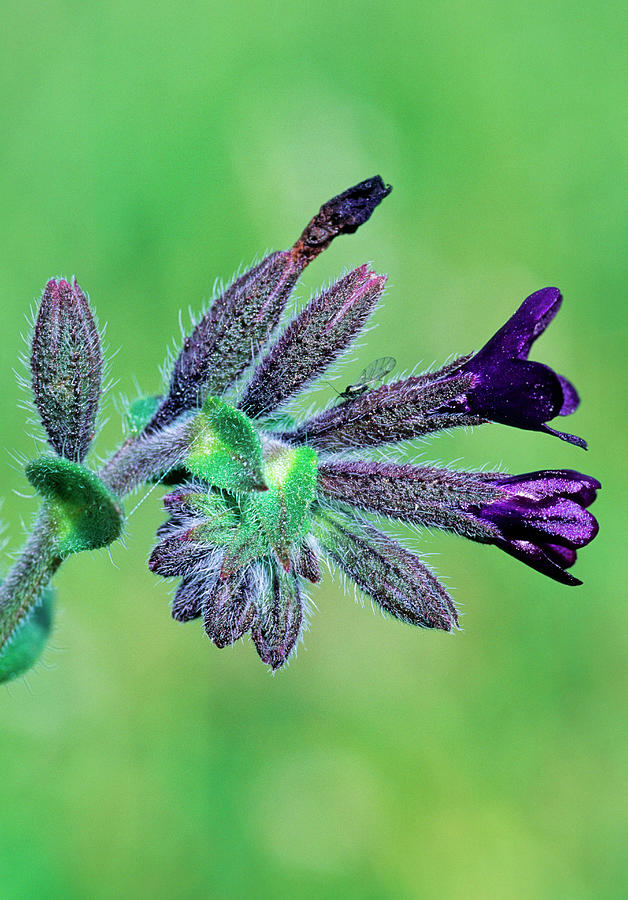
(252, 521)
(85, 514)
(141, 411)
(225, 449)
(29, 640)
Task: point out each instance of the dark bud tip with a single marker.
(341, 215)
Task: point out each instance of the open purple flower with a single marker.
(508, 387)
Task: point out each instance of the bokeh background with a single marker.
(153, 148)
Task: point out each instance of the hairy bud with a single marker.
(229, 336)
(277, 629)
(66, 367)
(312, 341)
(388, 573)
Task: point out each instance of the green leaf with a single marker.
(27, 644)
(85, 513)
(282, 511)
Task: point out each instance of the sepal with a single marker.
(141, 411)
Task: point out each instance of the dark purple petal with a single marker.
(390, 575)
(516, 337)
(562, 520)
(510, 389)
(552, 482)
(543, 558)
(571, 400)
(313, 341)
(393, 412)
(542, 518)
(278, 625)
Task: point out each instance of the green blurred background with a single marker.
(153, 148)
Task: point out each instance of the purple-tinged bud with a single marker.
(387, 573)
(313, 341)
(393, 412)
(542, 518)
(187, 602)
(277, 628)
(229, 336)
(306, 565)
(66, 367)
(181, 552)
(429, 496)
(341, 215)
(229, 609)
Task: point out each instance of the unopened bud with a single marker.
(66, 366)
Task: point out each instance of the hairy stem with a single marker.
(146, 457)
(27, 578)
(138, 460)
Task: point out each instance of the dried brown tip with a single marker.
(341, 215)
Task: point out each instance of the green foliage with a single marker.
(226, 450)
(282, 511)
(85, 513)
(141, 411)
(27, 644)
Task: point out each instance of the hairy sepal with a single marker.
(225, 449)
(313, 341)
(279, 621)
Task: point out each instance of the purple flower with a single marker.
(507, 386)
(245, 548)
(542, 518)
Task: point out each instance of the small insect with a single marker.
(370, 378)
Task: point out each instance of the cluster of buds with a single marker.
(258, 499)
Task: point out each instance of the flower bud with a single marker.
(66, 367)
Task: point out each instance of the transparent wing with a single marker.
(377, 370)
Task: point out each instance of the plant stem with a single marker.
(27, 578)
(146, 457)
(138, 460)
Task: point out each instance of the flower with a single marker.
(507, 387)
(542, 518)
(261, 499)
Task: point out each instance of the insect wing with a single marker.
(377, 370)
